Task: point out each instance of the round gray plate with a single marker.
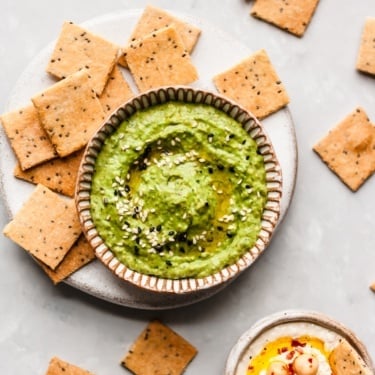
(94, 278)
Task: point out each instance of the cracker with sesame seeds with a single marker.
(46, 226)
(59, 367)
(154, 18)
(344, 360)
(290, 15)
(27, 137)
(70, 112)
(159, 350)
(59, 174)
(349, 149)
(78, 256)
(116, 92)
(254, 84)
(77, 49)
(366, 53)
(160, 59)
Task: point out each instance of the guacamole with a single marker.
(178, 191)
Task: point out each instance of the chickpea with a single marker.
(277, 368)
(305, 364)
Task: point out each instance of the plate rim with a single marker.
(80, 284)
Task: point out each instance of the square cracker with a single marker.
(77, 49)
(159, 350)
(160, 59)
(254, 84)
(292, 15)
(344, 360)
(59, 174)
(366, 54)
(154, 18)
(78, 256)
(46, 226)
(70, 112)
(59, 367)
(27, 137)
(349, 149)
(116, 92)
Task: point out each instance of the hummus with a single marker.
(291, 349)
(179, 191)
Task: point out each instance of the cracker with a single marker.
(159, 350)
(70, 112)
(59, 175)
(77, 48)
(160, 59)
(116, 92)
(27, 137)
(46, 226)
(344, 360)
(254, 84)
(154, 18)
(349, 149)
(292, 15)
(366, 54)
(59, 367)
(78, 256)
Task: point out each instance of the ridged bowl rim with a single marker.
(145, 100)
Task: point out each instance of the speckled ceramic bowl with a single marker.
(270, 213)
(238, 358)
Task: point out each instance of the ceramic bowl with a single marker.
(270, 214)
(238, 358)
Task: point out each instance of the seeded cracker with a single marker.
(160, 59)
(159, 350)
(153, 19)
(254, 84)
(59, 174)
(27, 137)
(79, 255)
(291, 15)
(46, 226)
(70, 112)
(76, 49)
(59, 367)
(349, 149)
(344, 360)
(116, 91)
(366, 54)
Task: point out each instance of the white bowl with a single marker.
(238, 358)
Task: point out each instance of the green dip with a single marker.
(178, 191)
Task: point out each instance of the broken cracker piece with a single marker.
(254, 84)
(366, 54)
(292, 15)
(27, 137)
(116, 92)
(59, 367)
(80, 254)
(59, 175)
(154, 18)
(70, 112)
(344, 360)
(160, 59)
(159, 350)
(76, 49)
(46, 226)
(349, 149)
